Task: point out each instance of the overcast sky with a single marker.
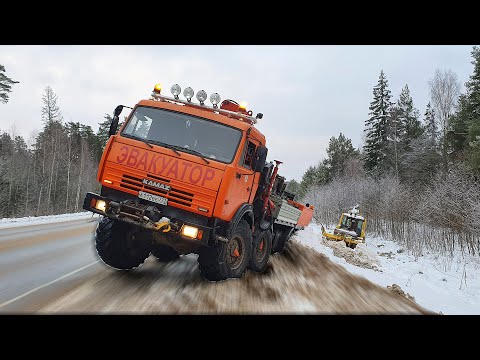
(306, 93)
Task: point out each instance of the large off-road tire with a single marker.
(226, 260)
(165, 253)
(120, 245)
(281, 239)
(262, 246)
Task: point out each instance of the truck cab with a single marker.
(178, 178)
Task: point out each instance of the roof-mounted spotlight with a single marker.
(201, 96)
(175, 90)
(215, 99)
(188, 93)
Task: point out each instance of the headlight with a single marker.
(176, 90)
(101, 205)
(215, 99)
(188, 93)
(201, 96)
(189, 231)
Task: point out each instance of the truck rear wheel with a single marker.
(227, 259)
(281, 239)
(262, 246)
(119, 245)
(164, 253)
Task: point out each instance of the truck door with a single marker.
(245, 175)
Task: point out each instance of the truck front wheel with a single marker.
(227, 259)
(119, 245)
(262, 246)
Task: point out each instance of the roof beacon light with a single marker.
(201, 96)
(243, 106)
(188, 93)
(176, 90)
(215, 99)
(157, 89)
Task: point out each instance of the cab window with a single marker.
(248, 155)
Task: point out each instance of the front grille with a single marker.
(174, 195)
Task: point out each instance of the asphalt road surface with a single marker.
(53, 268)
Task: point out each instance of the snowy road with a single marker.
(32, 256)
(53, 268)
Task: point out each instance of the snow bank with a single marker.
(450, 286)
(33, 220)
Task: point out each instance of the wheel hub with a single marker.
(235, 253)
(260, 250)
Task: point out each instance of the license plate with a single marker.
(154, 198)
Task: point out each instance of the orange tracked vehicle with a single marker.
(182, 178)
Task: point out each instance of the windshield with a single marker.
(211, 139)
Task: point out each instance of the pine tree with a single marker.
(421, 163)
(308, 179)
(458, 127)
(473, 87)
(103, 129)
(410, 127)
(293, 186)
(322, 173)
(376, 127)
(339, 151)
(430, 125)
(50, 110)
(5, 85)
(463, 135)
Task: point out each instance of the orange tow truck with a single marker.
(181, 177)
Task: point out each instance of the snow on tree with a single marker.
(444, 92)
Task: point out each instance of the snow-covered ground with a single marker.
(438, 284)
(35, 220)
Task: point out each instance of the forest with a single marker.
(416, 178)
(51, 171)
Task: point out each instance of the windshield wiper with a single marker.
(157, 143)
(146, 142)
(199, 154)
(168, 146)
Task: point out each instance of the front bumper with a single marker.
(144, 215)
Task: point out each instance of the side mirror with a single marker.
(118, 111)
(260, 159)
(114, 124)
